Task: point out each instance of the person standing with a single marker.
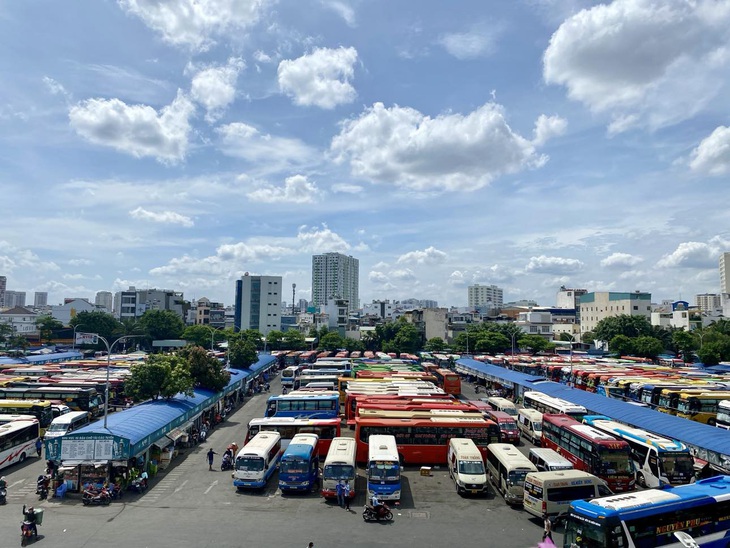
(547, 527)
(347, 495)
(38, 446)
(210, 458)
(340, 491)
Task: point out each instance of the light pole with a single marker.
(73, 344)
(514, 334)
(572, 340)
(108, 365)
(212, 337)
(466, 331)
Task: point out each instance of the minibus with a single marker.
(548, 460)
(299, 466)
(508, 432)
(502, 404)
(466, 467)
(339, 465)
(383, 467)
(529, 421)
(257, 460)
(65, 424)
(507, 470)
(552, 492)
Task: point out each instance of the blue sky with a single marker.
(528, 144)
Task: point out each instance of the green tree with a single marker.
(275, 339)
(648, 347)
(631, 326)
(588, 337)
(408, 339)
(621, 345)
(19, 343)
(293, 340)
(664, 334)
(252, 336)
(331, 341)
(492, 342)
(98, 322)
(685, 344)
(535, 343)
(351, 345)
(160, 376)
(242, 354)
(48, 327)
(435, 344)
(207, 371)
(6, 332)
(162, 324)
(202, 335)
(711, 353)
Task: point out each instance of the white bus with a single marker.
(65, 424)
(502, 404)
(383, 467)
(17, 441)
(555, 406)
(723, 415)
(507, 468)
(466, 466)
(290, 375)
(552, 492)
(658, 461)
(257, 460)
(339, 465)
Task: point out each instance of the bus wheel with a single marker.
(641, 480)
(22, 457)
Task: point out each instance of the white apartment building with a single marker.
(725, 272)
(381, 309)
(485, 296)
(133, 303)
(21, 320)
(14, 299)
(708, 302)
(336, 276)
(104, 301)
(258, 303)
(40, 299)
(598, 305)
(534, 322)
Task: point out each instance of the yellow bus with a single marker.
(40, 409)
(669, 397)
(701, 407)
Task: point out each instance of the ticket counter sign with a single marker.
(88, 447)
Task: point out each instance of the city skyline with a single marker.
(444, 145)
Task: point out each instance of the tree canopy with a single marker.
(48, 327)
(202, 335)
(160, 376)
(624, 324)
(162, 324)
(206, 371)
(242, 353)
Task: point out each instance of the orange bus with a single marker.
(448, 380)
(425, 441)
(354, 400)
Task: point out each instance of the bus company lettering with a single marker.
(681, 525)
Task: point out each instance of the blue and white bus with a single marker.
(304, 405)
(654, 517)
(299, 466)
(257, 460)
(384, 468)
(290, 375)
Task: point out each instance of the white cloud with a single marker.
(79, 262)
(12, 258)
(215, 87)
(194, 24)
(320, 240)
(297, 189)
(55, 87)
(478, 42)
(712, 155)
(163, 217)
(621, 260)
(244, 141)
(547, 127)
(343, 9)
(647, 63)
(138, 130)
(553, 265)
(458, 278)
(378, 277)
(430, 255)
(404, 274)
(347, 188)
(691, 255)
(449, 152)
(321, 78)
(261, 57)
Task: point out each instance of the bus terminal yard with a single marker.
(273, 498)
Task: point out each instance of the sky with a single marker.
(529, 144)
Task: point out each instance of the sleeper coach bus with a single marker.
(448, 380)
(78, 399)
(339, 465)
(383, 468)
(41, 410)
(701, 407)
(257, 460)
(353, 401)
(288, 427)
(554, 406)
(304, 405)
(290, 374)
(425, 441)
(658, 461)
(590, 450)
(655, 517)
(17, 441)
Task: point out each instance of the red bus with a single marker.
(590, 450)
(425, 441)
(410, 375)
(370, 409)
(448, 380)
(353, 400)
(288, 427)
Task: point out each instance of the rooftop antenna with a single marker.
(293, 295)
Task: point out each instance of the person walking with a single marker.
(210, 458)
(347, 495)
(547, 531)
(38, 446)
(340, 491)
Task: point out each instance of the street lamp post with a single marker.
(572, 340)
(513, 343)
(466, 331)
(73, 344)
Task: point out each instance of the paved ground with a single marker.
(187, 505)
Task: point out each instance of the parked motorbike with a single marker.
(27, 534)
(115, 491)
(226, 463)
(138, 485)
(42, 485)
(92, 496)
(3, 495)
(370, 514)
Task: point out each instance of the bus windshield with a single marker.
(517, 477)
(384, 472)
(615, 462)
(473, 468)
(537, 426)
(339, 471)
(681, 463)
(250, 464)
(293, 466)
(584, 534)
(57, 427)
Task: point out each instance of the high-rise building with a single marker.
(258, 303)
(40, 299)
(570, 298)
(104, 300)
(598, 305)
(336, 276)
(14, 298)
(133, 303)
(725, 272)
(708, 302)
(485, 296)
(3, 287)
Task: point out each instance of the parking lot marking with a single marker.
(181, 486)
(211, 486)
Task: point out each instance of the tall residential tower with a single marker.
(336, 276)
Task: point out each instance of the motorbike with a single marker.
(370, 514)
(3, 495)
(138, 485)
(226, 463)
(27, 534)
(42, 485)
(92, 496)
